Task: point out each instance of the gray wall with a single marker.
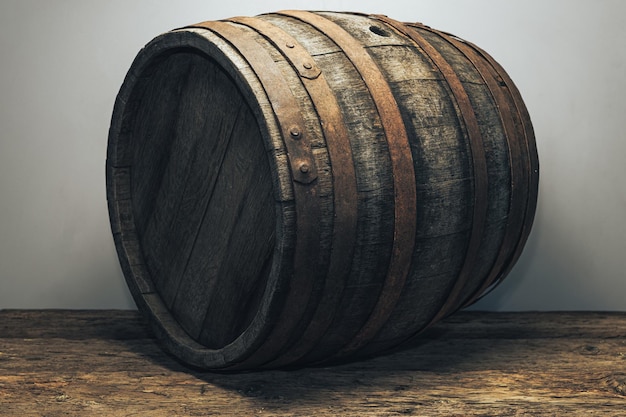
(62, 62)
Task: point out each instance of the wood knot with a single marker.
(589, 350)
(617, 383)
(62, 398)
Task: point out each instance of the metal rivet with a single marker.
(294, 132)
(290, 45)
(304, 168)
(307, 65)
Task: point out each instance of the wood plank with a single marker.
(240, 198)
(211, 174)
(104, 363)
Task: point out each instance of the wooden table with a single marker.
(105, 363)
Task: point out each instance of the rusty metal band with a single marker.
(299, 58)
(343, 176)
(528, 180)
(516, 214)
(520, 216)
(470, 123)
(402, 170)
(531, 147)
(290, 120)
(519, 182)
(300, 155)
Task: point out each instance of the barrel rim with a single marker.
(149, 302)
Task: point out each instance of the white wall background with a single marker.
(62, 63)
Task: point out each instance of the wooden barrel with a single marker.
(303, 187)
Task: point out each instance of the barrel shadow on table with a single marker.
(487, 364)
(438, 353)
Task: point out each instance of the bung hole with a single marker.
(379, 31)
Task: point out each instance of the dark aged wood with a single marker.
(185, 222)
(374, 187)
(285, 106)
(402, 173)
(528, 173)
(519, 170)
(299, 187)
(105, 363)
(344, 182)
(479, 163)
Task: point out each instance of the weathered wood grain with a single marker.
(186, 208)
(105, 363)
(236, 251)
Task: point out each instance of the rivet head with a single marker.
(289, 45)
(307, 65)
(295, 132)
(304, 168)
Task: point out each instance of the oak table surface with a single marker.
(106, 363)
